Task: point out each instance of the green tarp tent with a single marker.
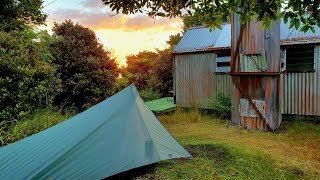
(114, 136)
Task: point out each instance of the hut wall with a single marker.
(196, 83)
(300, 92)
(262, 88)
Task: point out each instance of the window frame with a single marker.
(222, 58)
(285, 68)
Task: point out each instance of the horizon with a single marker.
(121, 34)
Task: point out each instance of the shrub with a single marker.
(221, 105)
(27, 78)
(88, 73)
(149, 95)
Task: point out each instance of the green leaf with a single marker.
(297, 24)
(303, 20)
(291, 23)
(304, 29)
(286, 18)
(281, 15)
(312, 29)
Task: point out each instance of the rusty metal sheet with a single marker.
(247, 111)
(300, 92)
(262, 88)
(253, 63)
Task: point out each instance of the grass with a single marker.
(39, 121)
(221, 152)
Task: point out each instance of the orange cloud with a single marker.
(101, 19)
(124, 34)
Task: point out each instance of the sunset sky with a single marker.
(123, 34)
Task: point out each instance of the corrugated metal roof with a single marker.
(293, 36)
(224, 40)
(201, 39)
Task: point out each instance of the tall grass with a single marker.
(189, 116)
(39, 121)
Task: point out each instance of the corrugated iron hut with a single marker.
(256, 75)
(201, 68)
(201, 64)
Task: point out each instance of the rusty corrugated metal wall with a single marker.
(300, 92)
(262, 86)
(196, 83)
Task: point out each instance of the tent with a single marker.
(114, 136)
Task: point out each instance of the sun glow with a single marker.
(125, 43)
(122, 34)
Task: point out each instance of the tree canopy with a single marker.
(28, 79)
(214, 12)
(16, 15)
(87, 72)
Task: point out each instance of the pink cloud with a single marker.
(101, 19)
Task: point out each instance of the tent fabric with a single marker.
(114, 136)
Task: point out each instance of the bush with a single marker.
(88, 73)
(39, 121)
(28, 80)
(149, 95)
(222, 106)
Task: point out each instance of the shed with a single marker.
(201, 66)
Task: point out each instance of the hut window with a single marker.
(222, 63)
(300, 59)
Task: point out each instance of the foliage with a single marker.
(213, 13)
(88, 73)
(149, 94)
(174, 40)
(16, 15)
(149, 71)
(37, 122)
(121, 83)
(138, 69)
(191, 20)
(221, 105)
(162, 69)
(27, 78)
(139, 62)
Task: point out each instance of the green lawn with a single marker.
(221, 152)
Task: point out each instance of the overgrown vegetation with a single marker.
(37, 71)
(151, 72)
(28, 79)
(32, 124)
(149, 95)
(221, 105)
